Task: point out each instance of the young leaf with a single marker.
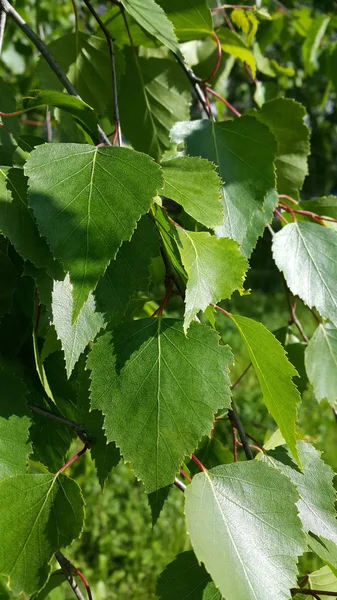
(215, 268)
(186, 579)
(193, 183)
(17, 221)
(234, 45)
(88, 204)
(285, 119)
(14, 425)
(244, 151)
(191, 19)
(158, 390)
(321, 363)
(74, 337)
(306, 254)
(129, 272)
(323, 580)
(52, 518)
(154, 94)
(315, 487)
(274, 373)
(152, 17)
(244, 527)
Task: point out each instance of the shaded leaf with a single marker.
(312, 43)
(129, 272)
(244, 151)
(321, 363)
(215, 268)
(89, 205)
(154, 94)
(8, 283)
(306, 254)
(185, 579)
(157, 500)
(74, 337)
(193, 183)
(52, 518)
(152, 383)
(261, 217)
(275, 374)
(244, 527)
(327, 206)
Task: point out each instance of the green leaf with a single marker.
(8, 283)
(323, 580)
(306, 254)
(52, 518)
(158, 390)
(129, 272)
(17, 221)
(215, 269)
(261, 217)
(82, 112)
(285, 119)
(89, 205)
(55, 580)
(114, 22)
(315, 487)
(85, 60)
(154, 94)
(152, 17)
(193, 183)
(243, 525)
(321, 363)
(14, 424)
(234, 45)
(171, 252)
(185, 579)
(312, 43)
(274, 373)
(74, 337)
(244, 151)
(326, 206)
(191, 19)
(325, 549)
(156, 501)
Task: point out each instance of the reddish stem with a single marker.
(288, 198)
(114, 139)
(74, 458)
(30, 122)
(228, 314)
(85, 582)
(235, 443)
(197, 462)
(279, 214)
(250, 446)
(234, 111)
(255, 441)
(218, 58)
(306, 213)
(184, 474)
(210, 112)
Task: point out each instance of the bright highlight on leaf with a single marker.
(52, 518)
(321, 363)
(158, 390)
(215, 269)
(244, 527)
(306, 253)
(91, 204)
(193, 183)
(275, 374)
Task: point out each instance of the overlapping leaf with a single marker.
(244, 527)
(244, 151)
(158, 390)
(154, 94)
(274, 373)
(261, 217)
(193, 183)
(321, 363)
(74, 337)
(185, 579)
(285, 119)
(51, 519)
(89, 205)
(315, 487)
(191, 19)
(306, 254)
(215, 269)
(326, 206)
(232, 43)
(152, 17)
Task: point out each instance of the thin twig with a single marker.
(3, 18)
(195, 82)
(42, 48)
(67, 569)
(314, 593)
(110, 41)
(74, 458)
(236, 383)
(293, 318)
(236, 422)
(79, 429)
(231, 108)
(233, 6)
(179, 484)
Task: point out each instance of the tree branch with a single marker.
(3, 17)
(314, 593)
(67, 569)
(79, 429)
(195, 81)
(236, 422)
(42, 48)
(180, 485)
(113, 70)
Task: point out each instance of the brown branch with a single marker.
(79, 429)
(293, 318)
(68, 569)
(236, 422)
(314, 593)
(3, 17)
